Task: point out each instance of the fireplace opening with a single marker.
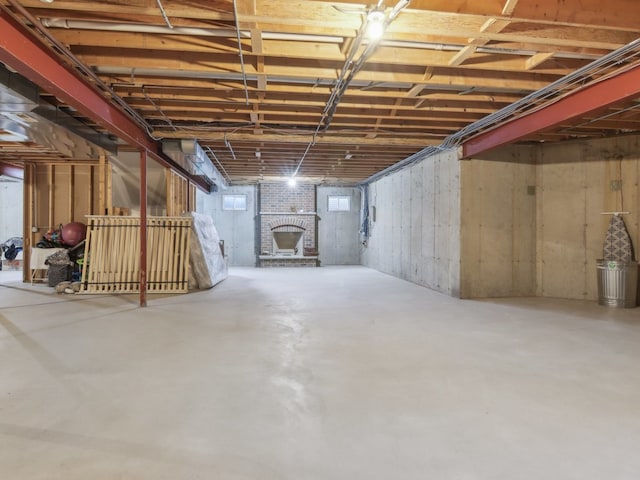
(287, 237)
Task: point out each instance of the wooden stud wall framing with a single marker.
(180, 194)
(112, 252)
(105, 194)
(59, 194)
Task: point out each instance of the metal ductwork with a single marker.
(190, 156)
(25, 119)
(17, 99)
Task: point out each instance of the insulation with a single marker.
(207, 264)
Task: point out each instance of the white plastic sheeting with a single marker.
(207, 264)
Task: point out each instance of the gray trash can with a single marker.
(617, 283)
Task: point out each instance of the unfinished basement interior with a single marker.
(273, 239)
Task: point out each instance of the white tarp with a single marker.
(207, 266)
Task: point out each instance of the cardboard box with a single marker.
(9, 265)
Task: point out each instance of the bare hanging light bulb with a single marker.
(375, 25)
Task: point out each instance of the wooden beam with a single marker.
(415, 91)
(462, 55)
(256, 42)
(509, 7)
(406, 140)
(110, 46)
(535, 60)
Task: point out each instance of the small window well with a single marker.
(339, 203)
(234, 202)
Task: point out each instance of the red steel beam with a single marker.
(11, 171)
(622, 87)
(23, 52)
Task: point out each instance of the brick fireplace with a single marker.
(287, 223)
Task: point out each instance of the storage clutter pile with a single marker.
(64, 265)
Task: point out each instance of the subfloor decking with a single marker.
(324, 373)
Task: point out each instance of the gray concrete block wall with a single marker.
(338, 232)
(546, 244)
(235, 227)
(498, 235)
(415, 235)
(577, 181)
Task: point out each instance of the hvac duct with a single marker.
(23, 118)
(190, 156)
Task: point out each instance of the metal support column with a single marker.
(143, 228)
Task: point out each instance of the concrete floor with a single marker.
(329, 373)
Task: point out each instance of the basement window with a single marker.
(234, 202)
(339, 203)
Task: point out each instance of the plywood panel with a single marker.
(61, 194)
(82, 192)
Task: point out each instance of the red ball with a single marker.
(73, 233)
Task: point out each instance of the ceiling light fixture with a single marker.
(291, 182)
(353, 65)
(375, 25)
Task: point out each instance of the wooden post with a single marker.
(169, 191)
(29, 220)
(72, 192)
(51, 173)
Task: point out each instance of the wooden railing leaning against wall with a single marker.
(112, 255)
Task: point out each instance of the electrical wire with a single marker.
(164, 14)
(244, 74)
(528, 104)
(208, 148)
(158, 109)
(349, 71)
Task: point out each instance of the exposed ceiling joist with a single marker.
(29, 57)
(441, 66)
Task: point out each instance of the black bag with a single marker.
(11, 253)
